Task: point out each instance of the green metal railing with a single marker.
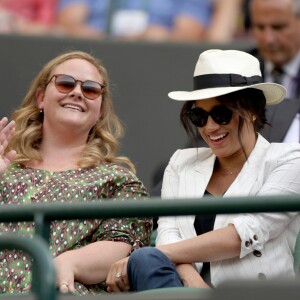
(38, 249)
(43, 214)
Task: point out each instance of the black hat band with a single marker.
(224, 80)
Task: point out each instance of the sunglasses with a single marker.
(66, 83)
(221, 114)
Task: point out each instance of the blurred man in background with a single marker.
(276, 30)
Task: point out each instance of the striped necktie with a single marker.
(277, 75)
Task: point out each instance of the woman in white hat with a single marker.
(227, 108)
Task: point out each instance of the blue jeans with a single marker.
(148, 268)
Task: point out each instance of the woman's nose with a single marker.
(211, 125)
(77, 90)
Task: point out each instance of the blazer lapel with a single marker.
(192, 185)
(193, 182)
(243, 184)
(202, 172)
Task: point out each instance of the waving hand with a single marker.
(7, 130)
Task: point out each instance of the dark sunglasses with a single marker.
(66, 83)
(221, 114)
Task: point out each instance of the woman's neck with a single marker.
(59, 155)
(234, 163)
(230, 166)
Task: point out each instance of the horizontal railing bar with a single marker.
(150, 207)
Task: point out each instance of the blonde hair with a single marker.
(102, 143)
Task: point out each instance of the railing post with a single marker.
(42, 226)
(37, 248)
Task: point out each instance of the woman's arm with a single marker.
(190, 276)
(90, 264)
(216, 245)
(246, 232)
(73, 21)
(225, 20)
(116, 238)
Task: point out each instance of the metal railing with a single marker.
(38, 249)
(43, 214)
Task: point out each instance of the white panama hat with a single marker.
(220, 72)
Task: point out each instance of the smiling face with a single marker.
(72, 110)
(224, 139)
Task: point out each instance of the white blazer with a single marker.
(267, 239)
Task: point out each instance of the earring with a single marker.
(41, 111)
(253, 118)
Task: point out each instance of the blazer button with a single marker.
(247, 244)
(257, 253)
(255, 237)
(262, 276)
(251, 242)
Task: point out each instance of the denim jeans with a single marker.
(148, 268)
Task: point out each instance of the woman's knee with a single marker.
(150, 268)
(143, 256)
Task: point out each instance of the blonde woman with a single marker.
(61, 147)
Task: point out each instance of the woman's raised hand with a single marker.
(7, 130)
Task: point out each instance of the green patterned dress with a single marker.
(21, 185)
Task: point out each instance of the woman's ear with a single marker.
(39, 96)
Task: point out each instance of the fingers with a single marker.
(117, 279)
(6, 127)
(6, 132)
(65, 287)
(3, 122)
(125, 282)
(64, 274)
(9, 157)
(118, 284)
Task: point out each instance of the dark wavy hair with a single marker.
(249, 102)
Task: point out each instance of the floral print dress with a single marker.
(21, 185)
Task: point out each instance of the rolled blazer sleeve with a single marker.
(279, 176)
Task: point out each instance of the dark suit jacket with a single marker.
(281, 115)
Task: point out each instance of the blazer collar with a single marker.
(247, 177)
(203, 168)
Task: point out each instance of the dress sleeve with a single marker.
(134, 231)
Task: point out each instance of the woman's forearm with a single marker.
(91, 263)
(215, 245)
(190, 276)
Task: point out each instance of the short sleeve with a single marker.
(134, 231)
